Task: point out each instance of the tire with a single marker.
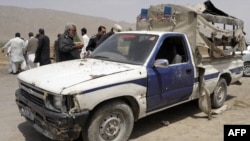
(246, 69)
(111, 122)
(219, 95)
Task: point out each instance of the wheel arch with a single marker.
(132, 103)
(227, 77)
(129, 101)
(219, 94)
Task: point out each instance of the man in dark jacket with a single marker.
(116, 28)
(43, 50)
(94, 39)
(68, 50)
(56, 47)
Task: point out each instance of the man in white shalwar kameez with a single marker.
(16, 47)
(85, 41)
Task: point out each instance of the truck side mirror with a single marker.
(161, 63)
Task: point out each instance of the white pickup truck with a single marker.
(131, 75)
(176, 55)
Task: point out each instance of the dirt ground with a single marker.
(186, 122)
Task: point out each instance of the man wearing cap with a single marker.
(114, 29)
(43, 50)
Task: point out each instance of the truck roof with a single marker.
(151, 32)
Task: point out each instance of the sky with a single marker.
(127, 10)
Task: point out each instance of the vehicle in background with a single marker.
(246, 59)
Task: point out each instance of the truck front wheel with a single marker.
(219, 95)
(112, 121)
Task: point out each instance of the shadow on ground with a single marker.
(169, 116)
(172, 115)
(30, 134)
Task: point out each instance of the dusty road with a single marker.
(187, 122)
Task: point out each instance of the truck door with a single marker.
(173, 84)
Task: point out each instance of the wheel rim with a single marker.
(246, 70)
(220, 93)
(111, 126)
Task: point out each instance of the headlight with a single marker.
(55, 102)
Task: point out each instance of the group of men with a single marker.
(35, 51)
(27, 54)
(67, 49)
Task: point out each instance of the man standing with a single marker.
(31, 50)
(68, 50)
(94, 39)
(116, 28)
(85, 40)
(56, 47)
(43, 50)
(16, 47)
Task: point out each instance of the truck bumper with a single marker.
(56, 126)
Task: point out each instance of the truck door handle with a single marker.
(188, 71)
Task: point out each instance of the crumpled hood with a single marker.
(58, 76)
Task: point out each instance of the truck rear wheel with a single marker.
(111, 122)
(246, 69)
(219, 95)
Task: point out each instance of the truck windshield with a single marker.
(128, 48)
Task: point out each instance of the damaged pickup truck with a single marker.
(132, 75)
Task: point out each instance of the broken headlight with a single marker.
(55, 102)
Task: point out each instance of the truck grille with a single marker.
(32, 98)
(32, 94)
